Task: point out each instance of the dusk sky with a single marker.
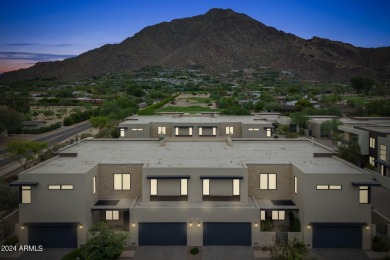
(48, 30)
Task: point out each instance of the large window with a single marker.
(364, 195)
(372, 142)
(262, 214)
(229, 130)
(122, 181)
(206, 187)
(183, 186)
(122, 132)
(267, 181)
(112, 215)
(26, 195)
(162, 130)
(278, 215)
(236, 187)
(382, 152)
(153, 187)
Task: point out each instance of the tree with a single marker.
(24, 151)
(350, 151)
(302, 103)
(99, 122)
(10, 120)
(362, 84)
(286, 250)
(300, 118)
(330, 128)
(105, 244)
(9, 197)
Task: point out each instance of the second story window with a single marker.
(122, 181)
(267, 181)
(364, 195)
(372, 142)
(122, 132)
(26, 195)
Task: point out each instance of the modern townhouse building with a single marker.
(180, 125)
(196, 191)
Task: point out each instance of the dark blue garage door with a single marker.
(220, 234)
(162, 234)
(337, 236)
(53, 236)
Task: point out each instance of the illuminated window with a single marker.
(112, 215)
(153, 187)
(267, 181)
(214, 131)
(371, 160)
(229, 130)
(137, 129)
(262, 214)
(122, 181)
(329, 187)
(372, 142)
(278, 215)
(253, 129)
(190, 131)
(60, 187)
(26, 194)
(269, 132)
(122, 132)
(382, 152)
(161, 130)
(176, 130)
(383, 169)
(364, 195)
(183, 186)
(295, 185)
(206, 187)
(94, 184)
(200, 130)
(236, 187)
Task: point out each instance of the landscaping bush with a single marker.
(265, 225)
(380, 244)
(11, 241)
(74, 254)
(41, 130)
(194, 250)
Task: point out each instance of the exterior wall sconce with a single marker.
(309, 226)
(190, 224)
(81, 226)
(197, 220)
(133, 224)
(368, 227)
(22, 227)
(198, 224)
(256, 224)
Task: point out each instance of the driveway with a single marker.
(160, 253)
(339, 254)
(46, 254)
(227, 252)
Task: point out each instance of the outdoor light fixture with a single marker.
(22, 227)
(308, 226)
(81, 226)
(255, 224)
(191, 222)
(198, 224)
(368, 227)
(133, 224)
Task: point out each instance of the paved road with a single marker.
(55, 137)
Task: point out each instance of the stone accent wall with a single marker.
(283, 181)
(106, 181)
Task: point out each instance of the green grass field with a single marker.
(201, 100)
(358, 99)
(190, 109)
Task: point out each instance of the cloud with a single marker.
(33, 56)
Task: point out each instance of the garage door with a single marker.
(162, 234)
(337, 236)
(218, 234)
(53, 236)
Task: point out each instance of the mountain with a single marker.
(220, 40)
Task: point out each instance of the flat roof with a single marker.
(195, 154)
(258, 119)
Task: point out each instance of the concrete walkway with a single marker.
(227, 253)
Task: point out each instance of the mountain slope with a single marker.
(220, 40)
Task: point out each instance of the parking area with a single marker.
(46, 254)
(339, 254)
(160, 253)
